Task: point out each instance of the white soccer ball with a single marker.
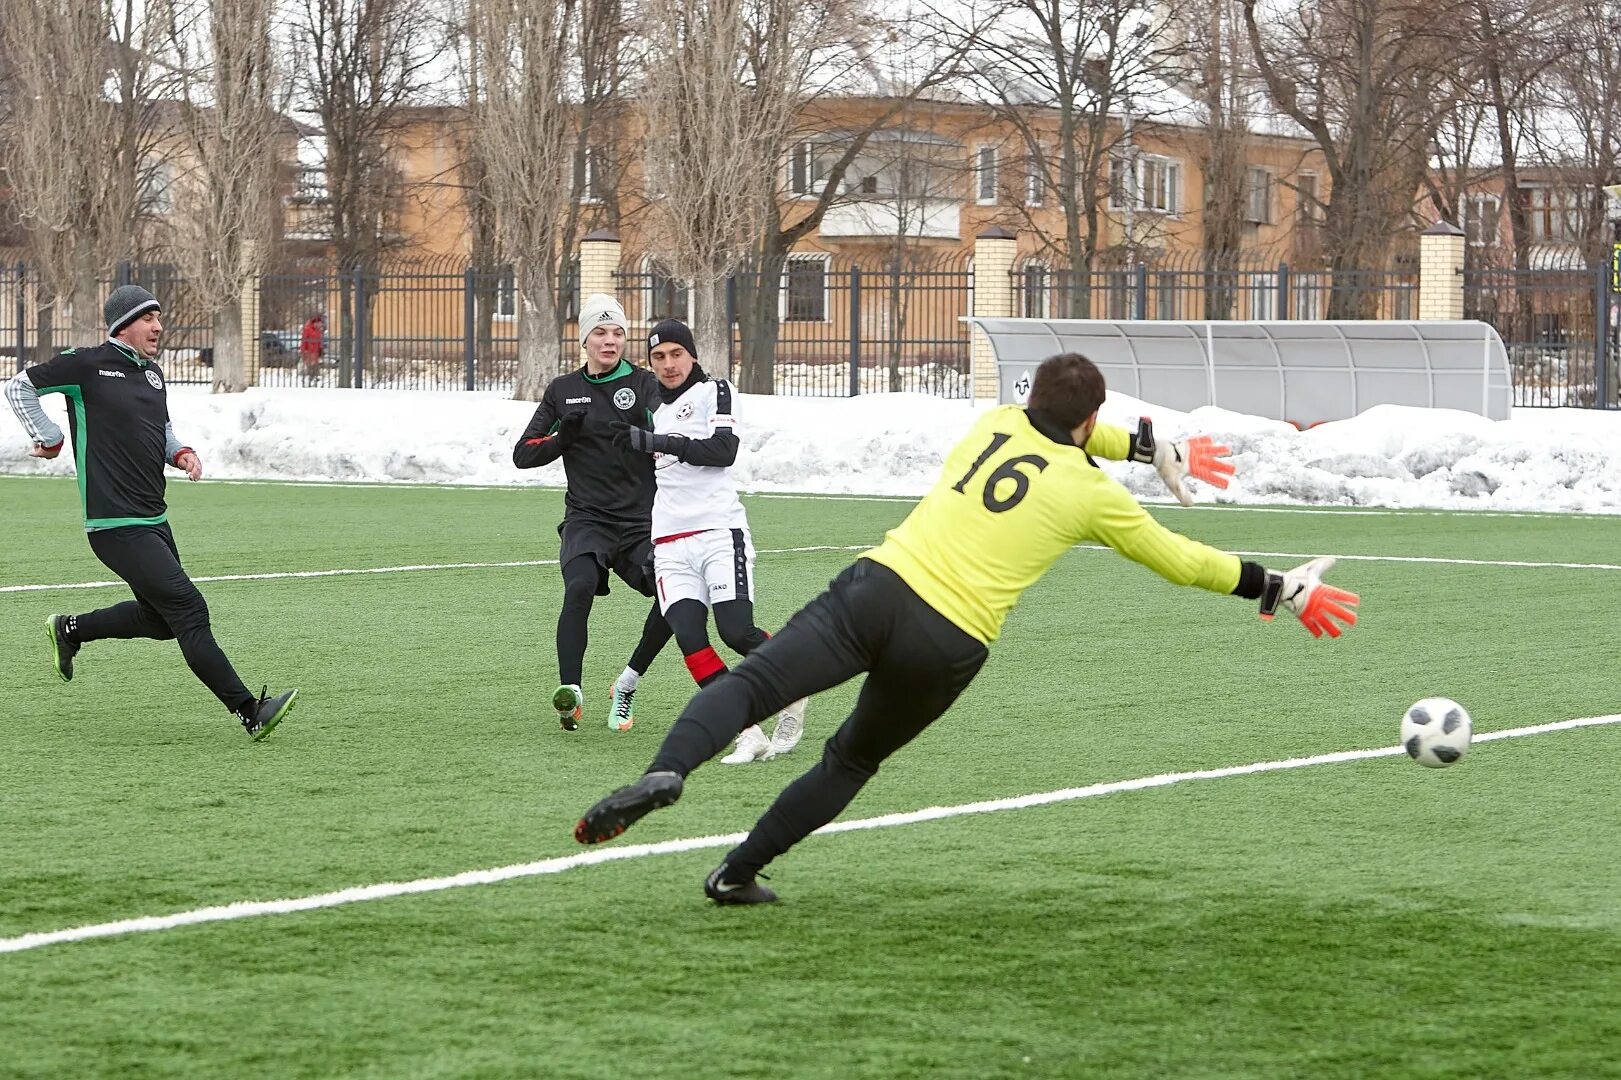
(1436, 731)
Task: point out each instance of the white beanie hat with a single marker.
(600, 309)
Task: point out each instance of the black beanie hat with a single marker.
(125, 305)
(672, 330)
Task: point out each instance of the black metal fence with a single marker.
(841, 327)
(1560, 328)
(1191, 286)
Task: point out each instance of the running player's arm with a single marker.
(177, 453)
(720, 448)
(539, 444)
(23, 398)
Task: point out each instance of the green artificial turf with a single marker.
(1343, 920)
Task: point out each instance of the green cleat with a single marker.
(261, 718)
(62, 650)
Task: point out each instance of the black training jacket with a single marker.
(605, 482)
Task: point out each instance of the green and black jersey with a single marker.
(606, 482)
(118, 417)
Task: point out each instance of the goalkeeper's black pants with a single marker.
(166, 605)
(917, 662)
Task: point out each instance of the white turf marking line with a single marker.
(283, 574)
(248, 909)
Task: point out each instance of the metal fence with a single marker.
(1193, 287)
(1560, 328)
(842, 327)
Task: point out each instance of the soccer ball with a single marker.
(1436, 732)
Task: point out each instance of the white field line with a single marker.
(248, 909)
(278, 575)
(283, 574)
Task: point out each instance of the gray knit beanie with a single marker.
(125, 305)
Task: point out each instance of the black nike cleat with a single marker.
(261, 718)
(627, 806)
(62, 650)
(718, 889)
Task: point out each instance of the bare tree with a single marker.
(1082, 76)
(359, 64)
(224, 197)
(725, 81)
(897, 57)
(1214, 53)
(1361, 76)
(547, 66)
(81, 143)
(1586, 139)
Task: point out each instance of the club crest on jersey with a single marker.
(685, 411)
(624, 398)
(152, 377)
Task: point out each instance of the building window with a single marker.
(1122, 184)
(1308, 205)
(1162, 185)
(593, 175)
(985, 175)
(1035, 279)
(804, 289)
(1257, 196)
(1159, 190)
(806, 170)
(1482, 218)
(1556, 216)
(1035, 177)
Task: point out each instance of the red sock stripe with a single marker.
(704, 663)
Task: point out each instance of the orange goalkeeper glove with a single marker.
(1199, 457)
(1302, 593)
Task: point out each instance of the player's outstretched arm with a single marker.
(1116, 519)
(1199, 457)
(1303, 593)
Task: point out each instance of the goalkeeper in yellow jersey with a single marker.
(917, 612)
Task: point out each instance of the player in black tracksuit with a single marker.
(119, 419)
(608, 516)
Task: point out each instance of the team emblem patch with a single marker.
(685, 411)
(624, 398)
(152, 377)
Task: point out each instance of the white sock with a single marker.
(628, 679)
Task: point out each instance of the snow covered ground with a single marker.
(1540, 459)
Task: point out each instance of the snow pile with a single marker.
(892, 444)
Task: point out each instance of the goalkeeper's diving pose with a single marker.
(917, 612)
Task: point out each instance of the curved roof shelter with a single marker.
(1304, 372)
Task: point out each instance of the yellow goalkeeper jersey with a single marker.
(1010, 500)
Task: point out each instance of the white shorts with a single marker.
(711, 567)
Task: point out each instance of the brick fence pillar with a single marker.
(1440, 272)
(994, 252)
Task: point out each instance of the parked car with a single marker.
(278, 348)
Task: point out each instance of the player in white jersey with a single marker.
(703, 557)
